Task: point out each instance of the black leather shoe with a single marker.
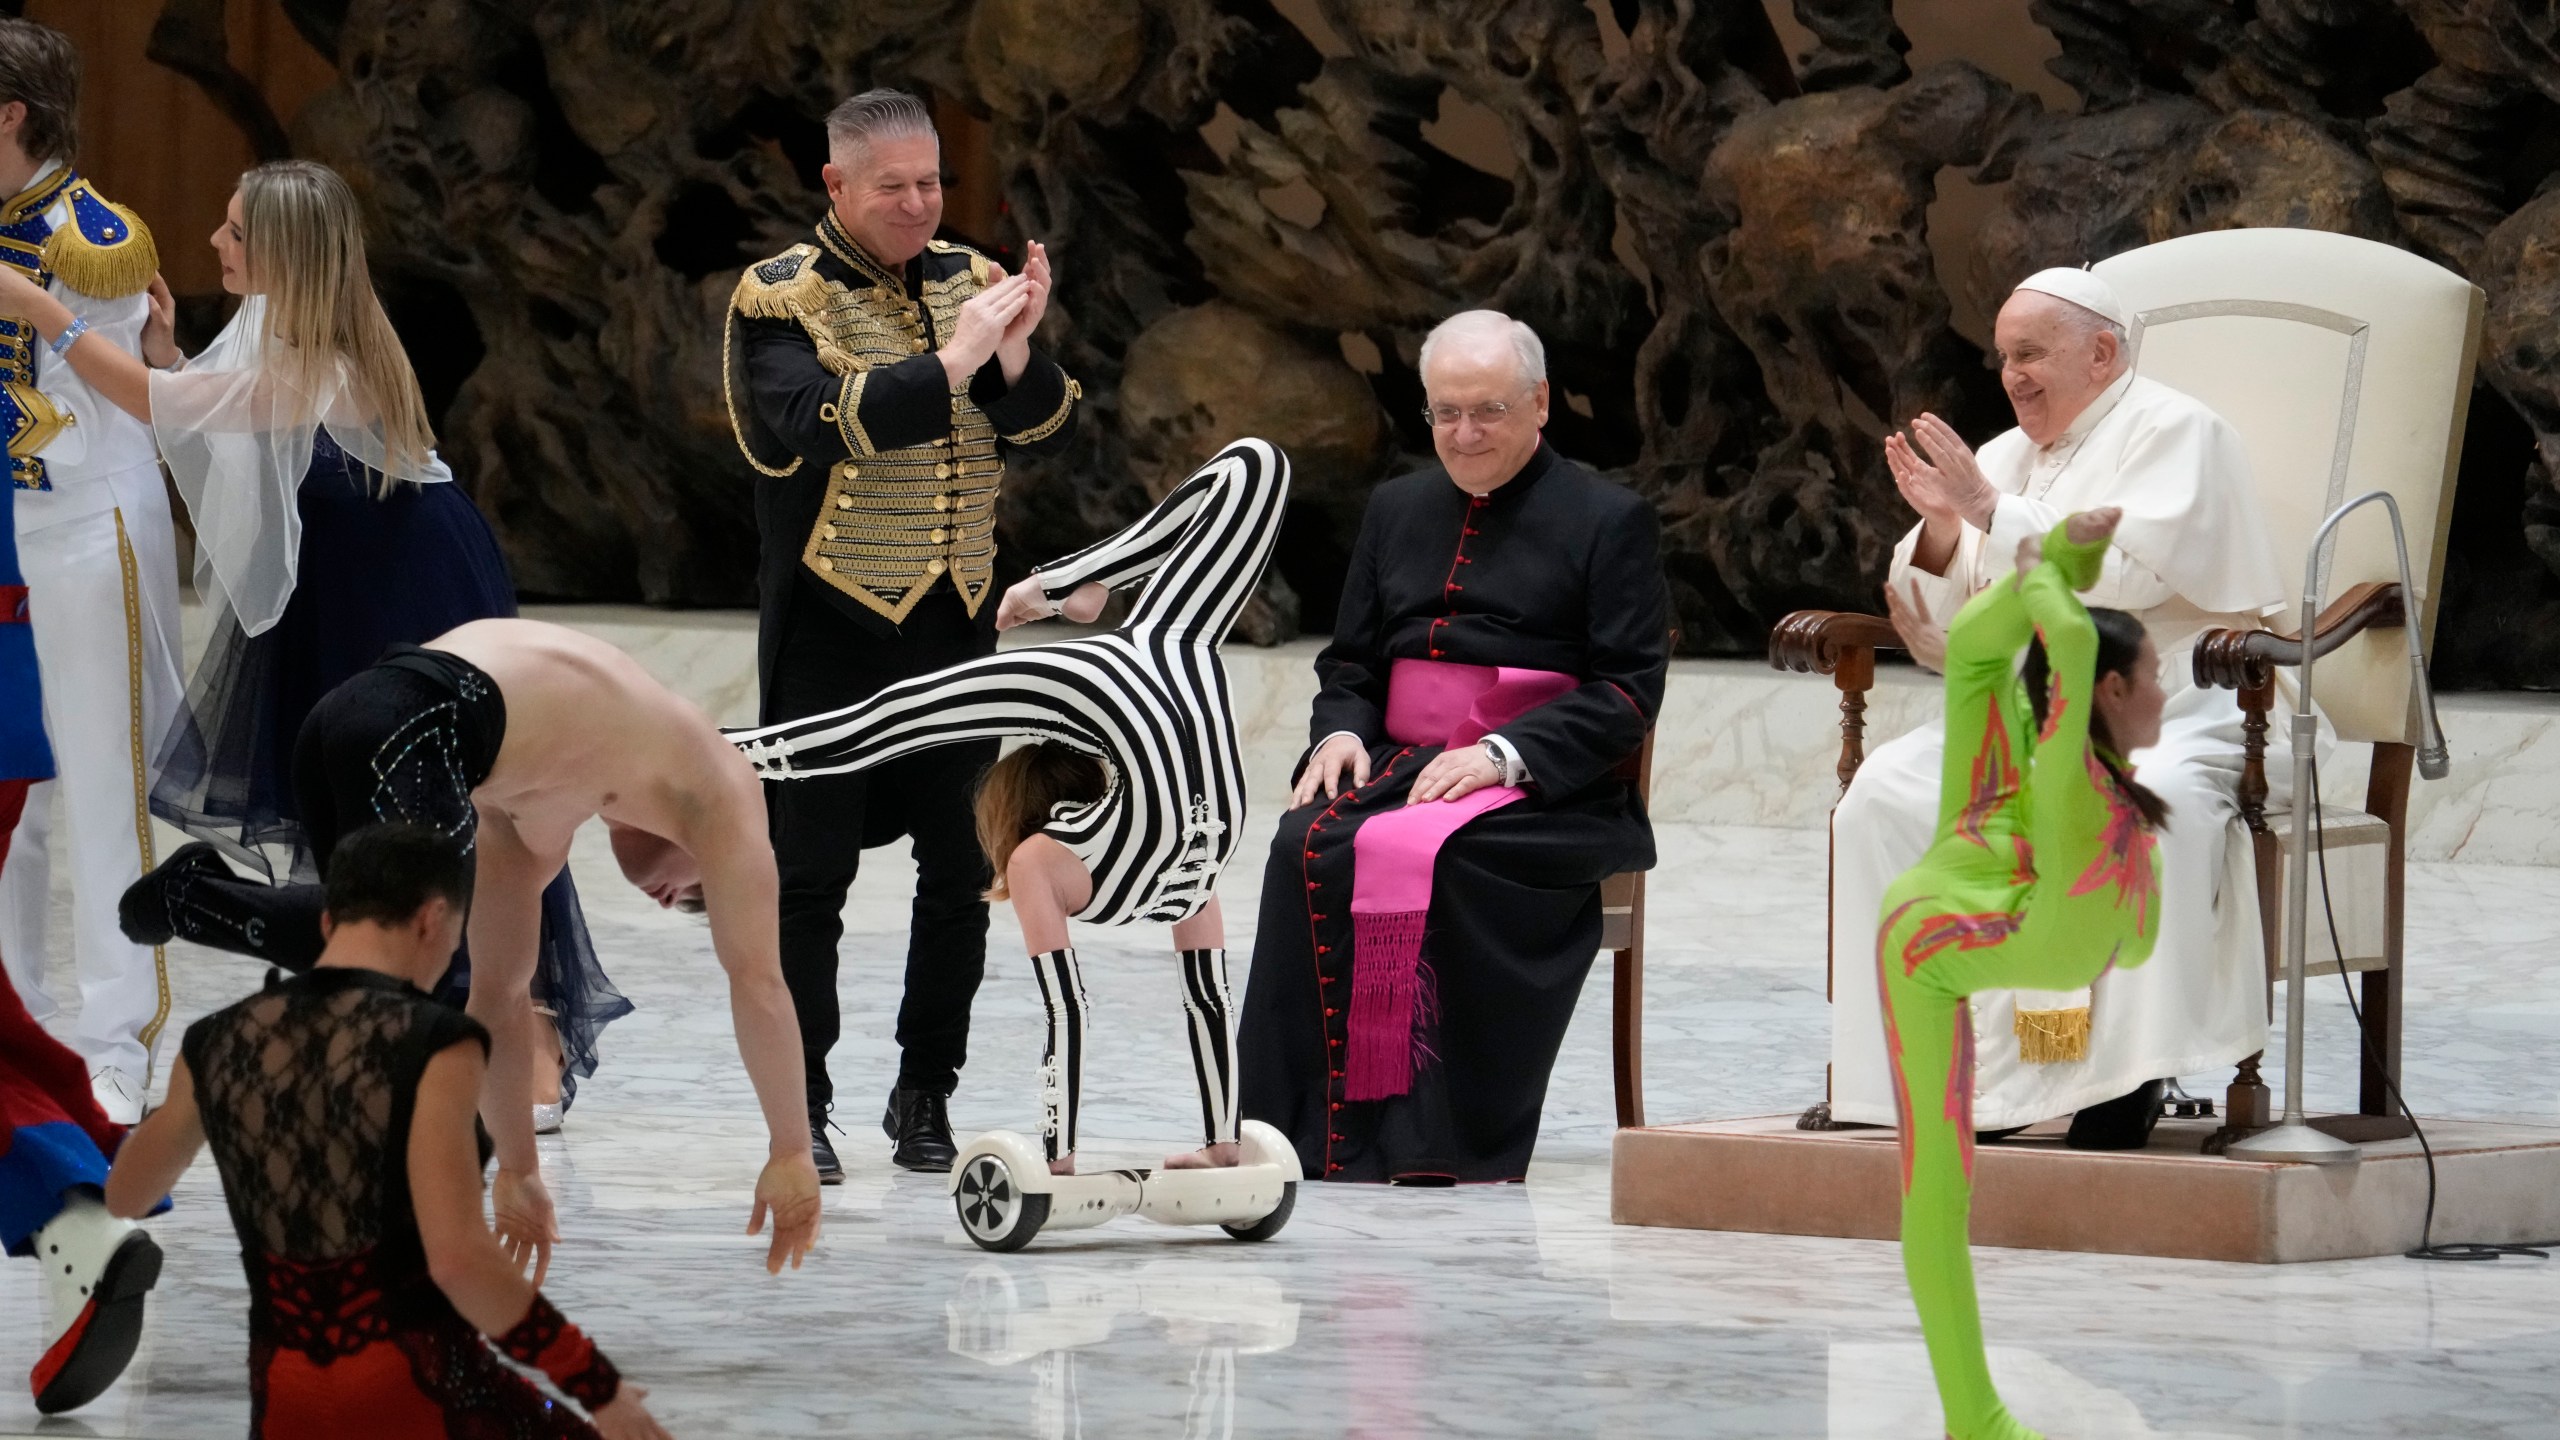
(2123, 1123)
(920, 1128)
(142, 912)
(822, 1152)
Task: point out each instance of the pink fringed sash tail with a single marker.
(1429, 702)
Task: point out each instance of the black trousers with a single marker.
(821, 826)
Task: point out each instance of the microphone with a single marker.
(2434, 759)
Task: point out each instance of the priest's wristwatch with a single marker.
(1501, 762)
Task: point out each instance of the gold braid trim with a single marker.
(1049, 427)
(111, 271)
(150, 1036)
(2047, 1037)
(849, 415)
(729, 397)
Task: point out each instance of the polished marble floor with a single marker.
(1515, 1310)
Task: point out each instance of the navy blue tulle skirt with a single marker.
(375, 570)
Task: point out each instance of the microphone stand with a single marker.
(2294, 1139)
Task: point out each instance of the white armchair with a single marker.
(2346, 366)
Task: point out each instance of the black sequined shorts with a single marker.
(408, 739)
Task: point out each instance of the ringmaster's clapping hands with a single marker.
(998, 321)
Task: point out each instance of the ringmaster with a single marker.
(878, 380)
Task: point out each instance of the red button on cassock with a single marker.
(1330, 1012)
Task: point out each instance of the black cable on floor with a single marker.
(2427, 1248)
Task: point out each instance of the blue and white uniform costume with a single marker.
(94, 534)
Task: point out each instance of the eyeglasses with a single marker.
(1486, 415)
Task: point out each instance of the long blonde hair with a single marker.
(305, 240)
(1017, 792)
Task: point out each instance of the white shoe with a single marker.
(97, 1268)
(119, 1094)
(546, 1118)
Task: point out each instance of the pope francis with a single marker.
(2191, 554)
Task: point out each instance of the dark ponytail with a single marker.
(2119, 649)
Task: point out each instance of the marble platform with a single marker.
(2496, 1184)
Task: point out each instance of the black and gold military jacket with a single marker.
(59, 228)
(879, 475)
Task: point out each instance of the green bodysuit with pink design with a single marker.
(2041, 875)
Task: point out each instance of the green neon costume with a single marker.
(2042, 875)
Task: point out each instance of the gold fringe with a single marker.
(2046, 1037)
(804, 294)
(108, 272)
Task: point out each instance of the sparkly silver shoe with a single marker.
(546, 1119)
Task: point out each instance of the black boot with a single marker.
(822, 1152)
(921, 1130)
(2123, 1123)
(142, 912)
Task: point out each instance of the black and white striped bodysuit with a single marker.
(1150, 698)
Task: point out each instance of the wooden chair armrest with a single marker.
(1812, 642)
(1841, 644)
(2238, 659)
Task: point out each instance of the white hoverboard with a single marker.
(1004, 1192)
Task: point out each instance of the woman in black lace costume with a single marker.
(339, 1107)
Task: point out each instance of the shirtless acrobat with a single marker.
(512, 734)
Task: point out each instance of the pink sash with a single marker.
(1429, 702)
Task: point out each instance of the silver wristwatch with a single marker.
(1501, 767)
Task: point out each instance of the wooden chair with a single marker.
(2346, 366)
(1622, 934)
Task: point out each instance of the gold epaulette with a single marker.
(979, 265)
(104, 250)
(786, 287)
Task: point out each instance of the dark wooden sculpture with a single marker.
(1728, 251)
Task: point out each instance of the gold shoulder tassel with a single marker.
(2046, 1037)
(799, 293)
(108, 272)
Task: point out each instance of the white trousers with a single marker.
(100, 557)
(2199, 1004)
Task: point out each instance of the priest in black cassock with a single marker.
(1432, 903)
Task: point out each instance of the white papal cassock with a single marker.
(2191, 554)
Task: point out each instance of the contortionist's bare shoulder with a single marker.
(590, 733)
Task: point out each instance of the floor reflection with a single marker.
(1041, 1312)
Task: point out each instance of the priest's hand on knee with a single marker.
(1457, 772)
(1326, 769)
